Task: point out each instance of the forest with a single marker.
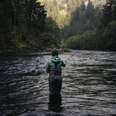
(25, 26)
(92, 28)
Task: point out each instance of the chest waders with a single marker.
(55, 85)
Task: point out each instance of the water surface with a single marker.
(89, 85)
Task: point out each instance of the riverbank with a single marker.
(30, 52)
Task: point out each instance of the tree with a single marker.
(5, 23)
(83, 19)
(109, 12)
(23, 25)
(109, 35)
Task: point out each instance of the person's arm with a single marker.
(63, 64)
(47, 67)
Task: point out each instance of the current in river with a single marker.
(89, 85)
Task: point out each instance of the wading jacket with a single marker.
(55, 65)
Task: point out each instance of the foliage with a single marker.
(83, 41)
(83, 19)
(109, 25)
(109, 12)
(103, 34)
(110, 35)
(24, 25)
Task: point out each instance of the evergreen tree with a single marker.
(83, 19)
(23, 25)
(107, 13)
(109, 24)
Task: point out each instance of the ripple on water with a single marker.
(89, 85)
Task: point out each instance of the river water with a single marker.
(89, 85)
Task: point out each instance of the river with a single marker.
(89, 85)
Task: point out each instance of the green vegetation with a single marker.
(81, 32)
(83, 41)
(83, 19)
(92, 28)
(24, 26)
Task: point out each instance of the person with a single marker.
(54, 68)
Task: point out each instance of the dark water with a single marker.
(89, 85)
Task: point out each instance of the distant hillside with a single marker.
(60, 10)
